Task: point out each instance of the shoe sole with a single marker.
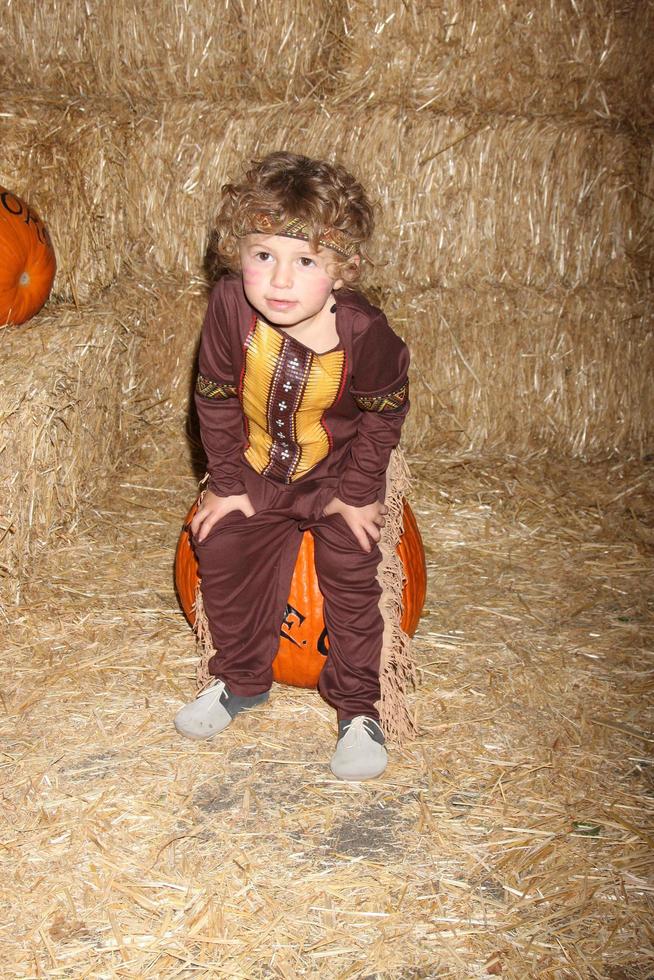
(199, 738)
(359, 779)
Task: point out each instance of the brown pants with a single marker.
(247, 563)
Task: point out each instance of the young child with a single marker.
(301, 394)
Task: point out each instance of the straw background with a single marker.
(555, 57)
(85, 403)
(224, 50)
(465, 199)
(510, 148)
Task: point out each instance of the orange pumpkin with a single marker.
(304, 642)
(27, 260)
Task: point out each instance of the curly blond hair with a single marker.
(285, 186)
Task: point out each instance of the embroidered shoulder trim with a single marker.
(215, 389)
(390, 402)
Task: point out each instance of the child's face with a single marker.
(285, 280)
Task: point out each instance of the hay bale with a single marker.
(590, 57)
(170, 326)
(567, 203)
(163, 49)
(75, 399)
(514, 370)
(466, 199)
(66, 157)
(582, 56)
(644, 225)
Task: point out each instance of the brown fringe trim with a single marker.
(204, 642)
(205, 646)
(397, 669)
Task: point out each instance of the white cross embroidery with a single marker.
(285, 454)
(294, 362)
(288, 386)
(280, 423)
(282, 405)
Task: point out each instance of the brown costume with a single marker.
(293, 429)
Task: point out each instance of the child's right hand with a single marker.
(213, 508)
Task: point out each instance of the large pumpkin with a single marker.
(27, 260)
(304, 642)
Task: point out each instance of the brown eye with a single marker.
(306, 262)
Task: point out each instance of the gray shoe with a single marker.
(360, 752)
(213, 710)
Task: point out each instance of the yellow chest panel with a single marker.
(285, 391)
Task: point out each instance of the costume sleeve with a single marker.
(222, 426)
(380, 388)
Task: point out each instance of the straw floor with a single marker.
(510, 838)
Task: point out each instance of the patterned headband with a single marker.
(338, 241)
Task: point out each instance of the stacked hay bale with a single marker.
(75, 404)
(510, 147)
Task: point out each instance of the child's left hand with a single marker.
(363, 522)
